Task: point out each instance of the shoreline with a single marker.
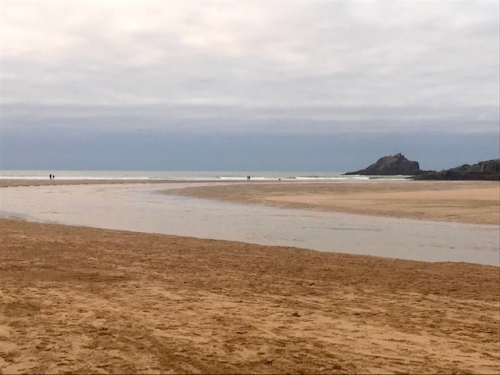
(86, 300)
(21, 182)
(472, 202)
(5, 183)
(476, 202)
(141, 208)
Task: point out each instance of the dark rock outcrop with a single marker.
(391, 166)
(484, 170)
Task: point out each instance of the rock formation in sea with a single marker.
(391, 166)
(484, 170)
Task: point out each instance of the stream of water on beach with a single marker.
(141, 208)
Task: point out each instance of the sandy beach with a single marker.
(88, 300)
(249, 187)
(476, 202)
(457, 201)
(83, 300)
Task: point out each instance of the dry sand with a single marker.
(466, 202)
(85, 300)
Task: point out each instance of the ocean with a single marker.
(186, 175)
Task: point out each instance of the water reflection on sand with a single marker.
(141, 208)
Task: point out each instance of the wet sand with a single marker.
(457, 201)
(141, 208)
(475, 202)
(86, 300)
(37, 182)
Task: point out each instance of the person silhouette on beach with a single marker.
(50, 176)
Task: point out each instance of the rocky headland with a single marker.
(484, 170)
(391, 166)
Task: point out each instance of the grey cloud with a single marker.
(207, 119)
(379, 64)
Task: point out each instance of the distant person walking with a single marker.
(50, 176)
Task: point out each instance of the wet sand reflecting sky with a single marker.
(141, 208)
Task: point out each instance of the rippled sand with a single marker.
(85, 300)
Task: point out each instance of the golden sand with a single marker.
(84, 300)
(467, 202)
(476, 202)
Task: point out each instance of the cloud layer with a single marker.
(258, 65)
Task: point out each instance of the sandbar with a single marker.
(476, 202)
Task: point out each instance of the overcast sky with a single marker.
(86, 83)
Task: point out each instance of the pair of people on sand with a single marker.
(51, 176)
